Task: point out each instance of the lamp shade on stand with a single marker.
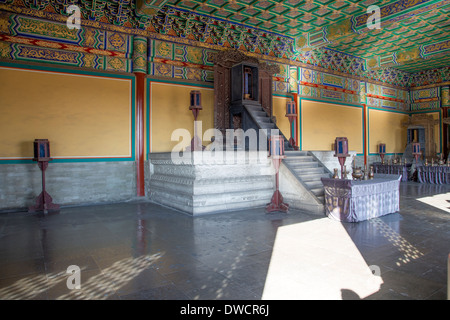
(276, 149)
(341, 152)
(416, 151)
(44, 201)
(291, 114)
(382, 151)
(41, 150)
(196, 107)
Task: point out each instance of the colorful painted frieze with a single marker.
(445, 96)
(111, 25)
(427, 77)
(327, 86)
(293, 79)
(385, 97)
(33, 28)
(428, 105)
(21, 52)
(423, 99)
(173, 51)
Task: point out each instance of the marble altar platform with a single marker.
(204, 182)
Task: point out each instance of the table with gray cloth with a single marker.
(401, 169)
(433, 174)
(359, 200)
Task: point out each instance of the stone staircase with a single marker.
(306, 168)
(203, 184)
(264, 122)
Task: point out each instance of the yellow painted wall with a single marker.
(386, 127)
(169, 110)
(81, 115)
(322, 122)
(279, 111)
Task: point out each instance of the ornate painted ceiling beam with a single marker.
(149, 7)
(390, 14)
(416, 54)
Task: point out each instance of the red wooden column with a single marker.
(296, 138)
(140, 92)
(140, 70)
(366, 134)
(445, 141)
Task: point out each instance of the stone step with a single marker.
(258, 113)
(321, 198)
(295, 153)
(299, 158)
(314, 185)
(303, 165)
(255, 108)
(309, 170)
(210, 203)
(262, 119)
(313, 176)
(318, 192)
(265, 125)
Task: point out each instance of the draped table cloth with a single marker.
(400, 169)
(359, 200)
(433, 174)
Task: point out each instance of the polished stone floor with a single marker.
(139, 250)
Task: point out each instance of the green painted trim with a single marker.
(18, 65)
(387, 154)
(388, 110)
(67, 160)
(149, 80)
(147, 120)
(300, 146)
(287, 95)
(181, 82)
(363, 121)
(441, 127)
(333, 102)
(368, 131)
(91, 73)
(368, 128)
(326, 101)
(426, 111)
(133, 118)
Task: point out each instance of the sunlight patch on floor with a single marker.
(440, 201)
(98, 287)
(318, 260)
(407, 251)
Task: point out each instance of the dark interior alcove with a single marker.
(230, 70)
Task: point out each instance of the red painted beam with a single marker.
(140, 91)
(387, 98)
(59, 45)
